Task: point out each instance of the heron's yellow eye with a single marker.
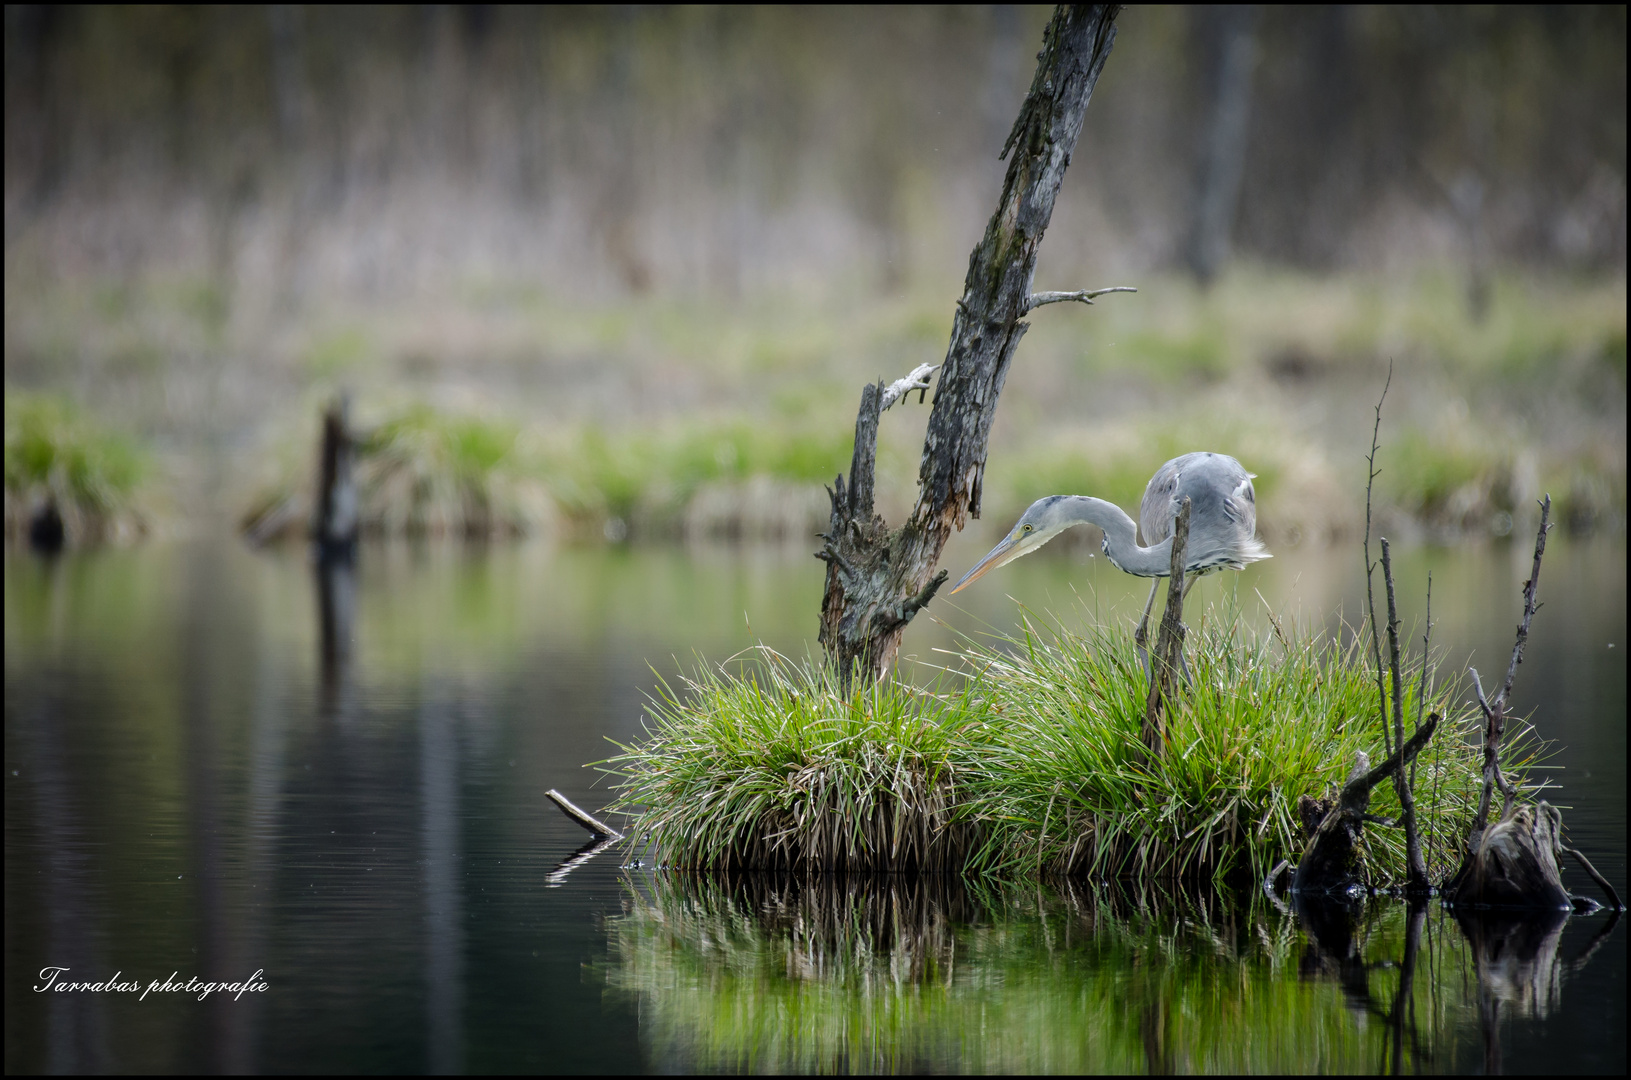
(1026, 529)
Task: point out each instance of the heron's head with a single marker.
(1045, 519)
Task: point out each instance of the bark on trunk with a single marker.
(878, 579)
(1332, 864)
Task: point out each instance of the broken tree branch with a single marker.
(1085, 296)
(917, 379)
(1331, 862)
(1169, 640)
(588, 821)
(1416, 882)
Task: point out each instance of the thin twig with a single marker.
(1370, 567)
(1421, 704)
(1529, 605)
(1085, 296)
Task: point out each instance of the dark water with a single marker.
(214, 768)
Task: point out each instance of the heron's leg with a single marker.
(1141, 636)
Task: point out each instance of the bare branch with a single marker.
(1370, 594)
(1085, 296)
(588, 821)
(917, 380)
(1529, 605)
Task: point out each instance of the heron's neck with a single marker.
(1121, 538)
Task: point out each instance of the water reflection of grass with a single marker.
(769, 974)
(1032, 765)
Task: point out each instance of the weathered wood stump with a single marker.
(1513, 863)
(1331, 864)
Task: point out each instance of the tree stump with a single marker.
(1331, 864)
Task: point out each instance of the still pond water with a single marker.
(215, 768)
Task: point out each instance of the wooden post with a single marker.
(878, 579)
(334, 522)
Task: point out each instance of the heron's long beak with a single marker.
(1005, 552)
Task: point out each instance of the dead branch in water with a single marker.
(1513, 863)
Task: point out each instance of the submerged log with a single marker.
(1331, 864)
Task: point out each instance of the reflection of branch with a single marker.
(588, 851)
(1596, 942)
(594, 825)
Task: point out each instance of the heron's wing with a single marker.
(1155, 509)
(1224, 506)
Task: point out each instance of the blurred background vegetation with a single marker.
(617, 272)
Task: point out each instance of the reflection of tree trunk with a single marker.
(1152, 1031)
(1229, 47)
(336, 618)
(444, 907)
(1402, 1003)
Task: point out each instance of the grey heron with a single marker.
(1222, 524)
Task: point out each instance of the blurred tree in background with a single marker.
(661, 224)
(379, 149)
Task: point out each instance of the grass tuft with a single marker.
(1265, 721)
(1033, 767)
(774, 767)
(54, 455)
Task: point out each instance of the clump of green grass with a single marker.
(1034, 767)
(422, 472)
(54, 455)
(1065, 788)
(648, 480)
(774, 767)
(418, 472)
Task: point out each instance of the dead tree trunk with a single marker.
(1331, 864)
(334, 524)
(877, 578)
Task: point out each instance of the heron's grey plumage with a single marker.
(1222, 521)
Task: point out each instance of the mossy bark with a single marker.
(878, 578)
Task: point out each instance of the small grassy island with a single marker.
(1027, 759)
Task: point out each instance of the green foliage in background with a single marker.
(54, 452)
(1033, 766)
